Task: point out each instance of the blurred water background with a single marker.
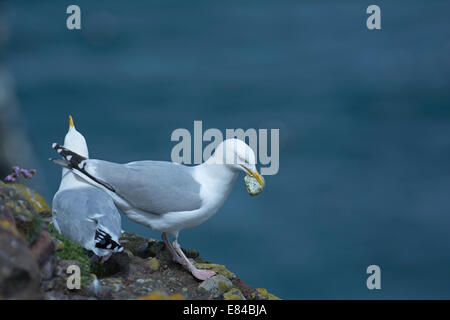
(364, 120)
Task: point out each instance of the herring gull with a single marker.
(84, 213)
(166, 196)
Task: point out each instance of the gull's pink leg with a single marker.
(175, 255)
(198, 273)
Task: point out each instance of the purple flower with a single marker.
(10, 178)
(26, 174)
(17, 171)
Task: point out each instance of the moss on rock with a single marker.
(98, 269)
(72, 251)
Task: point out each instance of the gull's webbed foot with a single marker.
(181, 258)
(201, 274)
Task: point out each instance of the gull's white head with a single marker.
(238, 156)
(75, 140)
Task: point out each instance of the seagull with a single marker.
(166, 196)
(84, 213)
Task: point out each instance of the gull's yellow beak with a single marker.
(71, 125)
(255, 174)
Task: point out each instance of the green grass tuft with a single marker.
(98, 269)
(73, 251)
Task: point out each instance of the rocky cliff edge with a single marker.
(34, 259)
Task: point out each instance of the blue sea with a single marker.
(364, 119)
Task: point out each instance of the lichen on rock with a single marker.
(20, 274)
(159, 295)
(35, 199)
(215, 285)
(264, 295)
(154, 263)
(234, 294)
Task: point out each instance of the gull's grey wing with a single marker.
(156, 187)
(82, 211)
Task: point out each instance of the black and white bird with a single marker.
(85, 214)
(166, 196)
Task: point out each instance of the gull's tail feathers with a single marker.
(104, 241)
(76, 162)
(71, 157)
(60, 162)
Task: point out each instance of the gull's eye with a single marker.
(241, 159)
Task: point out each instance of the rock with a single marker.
(98, 290)
(264, 295)
(34, 198)
(43, 247)
(233, 294)
(155, 295)
(133, 243)
(24, 216)
(159, 295)
(246, 290)
(32, 250)
(151, 249)
(176, 296)
(6, 214)
(48, 269)
(19, 272)
(216, 285)
(116, 287)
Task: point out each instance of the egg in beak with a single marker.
(251, 178)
